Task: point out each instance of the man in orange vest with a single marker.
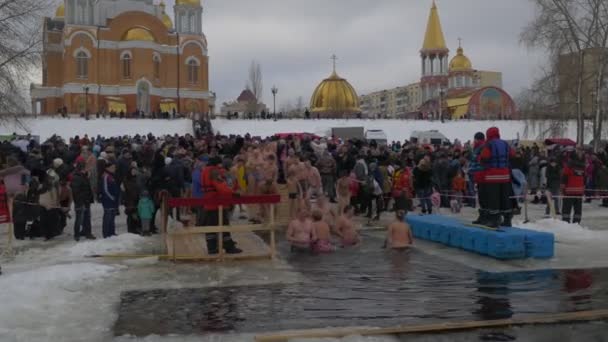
(214, 186)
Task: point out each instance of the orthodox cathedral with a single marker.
(102, 56)
(448, 88)
(453, 90)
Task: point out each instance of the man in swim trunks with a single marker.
(399, 234)
(300, 232)
(345, 228)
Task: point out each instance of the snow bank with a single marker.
(66, 128)
(124, 243)
(37, 298)
(568, 233)
(394, 129)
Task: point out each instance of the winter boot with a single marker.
(506, 222)
(493, 221)
(481, 219)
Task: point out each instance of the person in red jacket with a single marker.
(496, 179)
(214, 185)
(573, 188)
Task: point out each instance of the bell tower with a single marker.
(434, 57)
(188, 16)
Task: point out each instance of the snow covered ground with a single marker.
(394, 129)
(66, 128)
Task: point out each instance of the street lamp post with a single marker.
(86, 103)
(441, 95)
(274, 90)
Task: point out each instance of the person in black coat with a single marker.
(82, 194)
(423, 185)
(131, 198)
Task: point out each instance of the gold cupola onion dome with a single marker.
(60, 12)
(433, 38)
(334, 96)
(165, 17)
(138, 33)
(460, 62)
(188, 2)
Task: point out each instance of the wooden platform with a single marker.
(192, 247)
(436, 328)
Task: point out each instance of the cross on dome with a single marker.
(334, 58)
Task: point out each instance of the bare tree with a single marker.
(255, 82)
(300, 104)
(600, 41)
(20, 47)
(566, 27)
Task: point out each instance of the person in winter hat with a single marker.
(82, 194)
(145, 210)
(110, 199)
(496, 177)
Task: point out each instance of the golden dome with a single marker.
(335, 97)
(60, 12)
(460, 62)
(188, 2)
(138, 33)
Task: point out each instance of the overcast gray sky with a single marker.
(377, 42)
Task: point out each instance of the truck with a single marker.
(376, 135)
(348, 133)
(432, 137)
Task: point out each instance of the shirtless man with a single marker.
(345, 228)
(300, 232)
(302, 177)
(343, 191)
(322, 205)
(399, 235)
(292, 159)
(314, 180)
(293, 193)
(322, 231)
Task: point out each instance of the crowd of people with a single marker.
(328, 182)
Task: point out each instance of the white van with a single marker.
(433, 137)
(377, 135)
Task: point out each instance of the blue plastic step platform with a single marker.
(504, 243)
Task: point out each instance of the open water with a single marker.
(369, 286)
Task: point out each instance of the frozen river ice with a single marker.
(53, 292)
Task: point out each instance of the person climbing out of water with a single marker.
(399, 234)
(345, 228)
(496, 178)
(300, 233)
(322, 244)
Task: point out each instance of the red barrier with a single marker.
(5, 214)
(222, 201)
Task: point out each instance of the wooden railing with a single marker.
(221, 203)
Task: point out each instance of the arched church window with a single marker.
(193, 67)
(126, 65)
(82, 65)
(156, 62)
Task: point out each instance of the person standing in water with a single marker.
(300, 232)
(345, 228)
(399, 234)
